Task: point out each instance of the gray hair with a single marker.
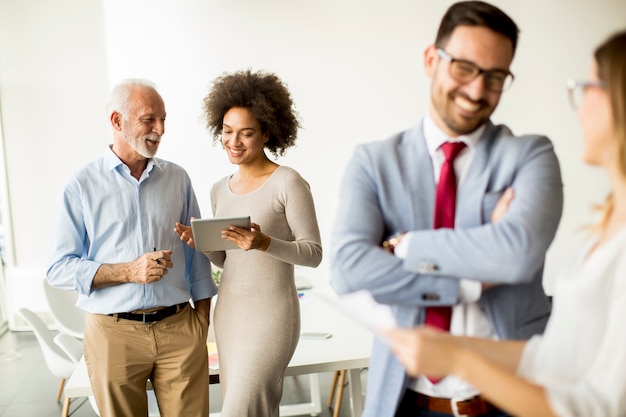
(120, 94)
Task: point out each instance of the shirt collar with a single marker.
(112, 161)
(435, 137)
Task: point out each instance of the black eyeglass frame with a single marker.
(477, 71)
(572, 85)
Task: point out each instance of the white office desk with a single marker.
(349, 348)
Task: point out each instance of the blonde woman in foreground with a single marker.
(578, 367)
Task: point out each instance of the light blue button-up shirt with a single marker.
(105, 215)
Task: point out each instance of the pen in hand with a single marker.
(158, 261)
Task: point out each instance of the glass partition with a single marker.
(3, 230)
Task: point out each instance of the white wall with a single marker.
(53, 88)
(354, 68)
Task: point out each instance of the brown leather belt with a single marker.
(151, 316)
(470, 407)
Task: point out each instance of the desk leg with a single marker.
(356, 396)
(313, 408)
(316, 397)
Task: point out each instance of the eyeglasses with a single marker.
(496, 80)
(576, 90)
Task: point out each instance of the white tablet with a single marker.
(207, 233)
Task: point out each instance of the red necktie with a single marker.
(445, 202)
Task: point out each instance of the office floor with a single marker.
(28, 388)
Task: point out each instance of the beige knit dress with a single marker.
(257, 314)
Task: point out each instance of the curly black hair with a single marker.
(265, 96)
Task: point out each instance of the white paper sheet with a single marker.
(361, 307)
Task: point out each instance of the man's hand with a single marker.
(203, 307)
(390, 244)
(502, 206)
(498, 213)
(149, 267)
(203, 310)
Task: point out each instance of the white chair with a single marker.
(68, 318)
(71, 346)
(59, 363)
(74, 349)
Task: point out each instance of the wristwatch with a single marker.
(390, 244)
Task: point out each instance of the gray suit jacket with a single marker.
(388, 187)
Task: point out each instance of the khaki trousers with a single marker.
(121, 355)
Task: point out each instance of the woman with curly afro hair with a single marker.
(257, 316)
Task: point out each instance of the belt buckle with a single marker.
(153, 313)
(454, 404)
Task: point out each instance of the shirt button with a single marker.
(426, 267)
(431, 297)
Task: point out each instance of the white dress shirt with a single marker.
(467, 319)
